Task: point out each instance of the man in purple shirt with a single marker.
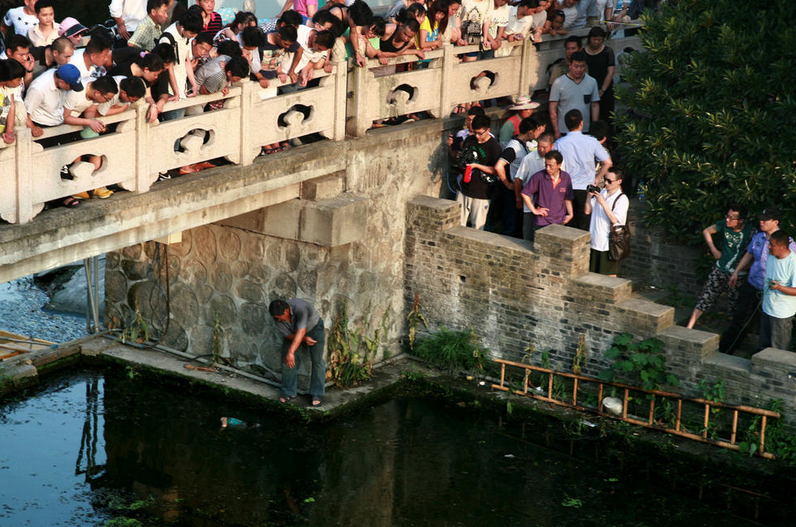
(548, 194)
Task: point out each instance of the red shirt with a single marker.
(214, 25)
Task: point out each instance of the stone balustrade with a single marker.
(345, 101)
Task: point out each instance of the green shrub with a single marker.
(713, 112)
(453, 350)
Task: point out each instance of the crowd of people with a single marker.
(54, 72)
(757, 271)
(549, 170)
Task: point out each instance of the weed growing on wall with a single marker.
(351, 350)
(644, 362)
(413, 319)
(453, 350)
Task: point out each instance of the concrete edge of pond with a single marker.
(24, 372)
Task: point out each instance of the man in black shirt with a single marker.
(479, 154)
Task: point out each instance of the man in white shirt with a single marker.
(127, 14)
(45, 98)
(581, 155)
(607, 208)
(93, 60)
(574, 91)
(20, 18)
(312, 54)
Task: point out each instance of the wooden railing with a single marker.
(347, 100)
(570, 400)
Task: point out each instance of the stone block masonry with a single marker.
(513, 296)
(341, 243)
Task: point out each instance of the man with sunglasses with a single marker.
(610, 208)
(735, 234)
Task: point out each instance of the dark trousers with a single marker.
(775, 332)
(318, 370)
(512, 216)
(748, 300)
(529, 226)
(580, 220)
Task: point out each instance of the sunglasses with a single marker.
(610, 181)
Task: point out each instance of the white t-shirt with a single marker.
(498, 18)
(87, 74)
(77, 102)
(309, 54)
(183, 54)
(132, 12)
(104, 107)
(570, 14)
(44, 101)
(518, 26)
(20, 21)
(600, 226)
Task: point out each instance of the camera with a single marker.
(593, 188)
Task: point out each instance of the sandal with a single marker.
(70, 202)
(284, 399)
(317, 401)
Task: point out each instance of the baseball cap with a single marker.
(770, 213)
(71, 75)
(70, 27)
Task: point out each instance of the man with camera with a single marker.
(581, 154)
(480, 152)
(609, 208)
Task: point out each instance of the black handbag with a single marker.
(618, 239)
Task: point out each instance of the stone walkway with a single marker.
(24, 370)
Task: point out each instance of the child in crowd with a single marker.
(11, 75)
(555, 25)
(243, 19)
(399, 6)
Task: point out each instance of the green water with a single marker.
(90, 446)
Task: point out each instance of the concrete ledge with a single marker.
(328, 223)
(614, 289)
(728, 364)
(779, 361)
(703, 343)
(324, 188)
(564, 248)
(645, 316)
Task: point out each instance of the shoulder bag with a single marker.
(618, 239)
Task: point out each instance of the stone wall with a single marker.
(654, 260)
(341, 243)
(512, 295)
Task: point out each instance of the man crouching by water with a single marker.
(300, 323)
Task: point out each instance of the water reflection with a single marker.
(159, 455)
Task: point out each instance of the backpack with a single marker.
(172, 43)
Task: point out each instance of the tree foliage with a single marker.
(712, 111)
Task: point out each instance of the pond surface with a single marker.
(92, 448)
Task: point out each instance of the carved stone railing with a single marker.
(346, 101)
